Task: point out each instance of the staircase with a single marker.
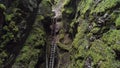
(53, 46)
(52, 55)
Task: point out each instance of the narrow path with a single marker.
(53, 45)
(50, 61)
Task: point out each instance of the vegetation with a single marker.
(88, 36)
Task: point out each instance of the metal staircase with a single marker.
(53, 46)
(52, 55)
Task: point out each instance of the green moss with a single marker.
(63, 46)
(6, 28)
(79, 54)
(79, 44)
(105, 4)
(84, 6)
(100, 53)
(3, 55)
(2, 6)
(30, 53)
(68, 10)
(111, 37)
(81, 29)
(66, 2)
(99, 50)
(32, 48)
(62, 35)
(13, 26)
(39, 18)
(114, 16)
(117, 22)
(95, 30)
(9, 17)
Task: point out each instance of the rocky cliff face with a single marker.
(89, 34)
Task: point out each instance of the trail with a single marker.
(53, 46)
(57, 9)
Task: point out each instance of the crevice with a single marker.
(41, 60)
(117, 52)
(47, 22)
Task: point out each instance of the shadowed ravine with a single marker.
(59, 33)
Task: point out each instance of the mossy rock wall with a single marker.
(95, 46)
